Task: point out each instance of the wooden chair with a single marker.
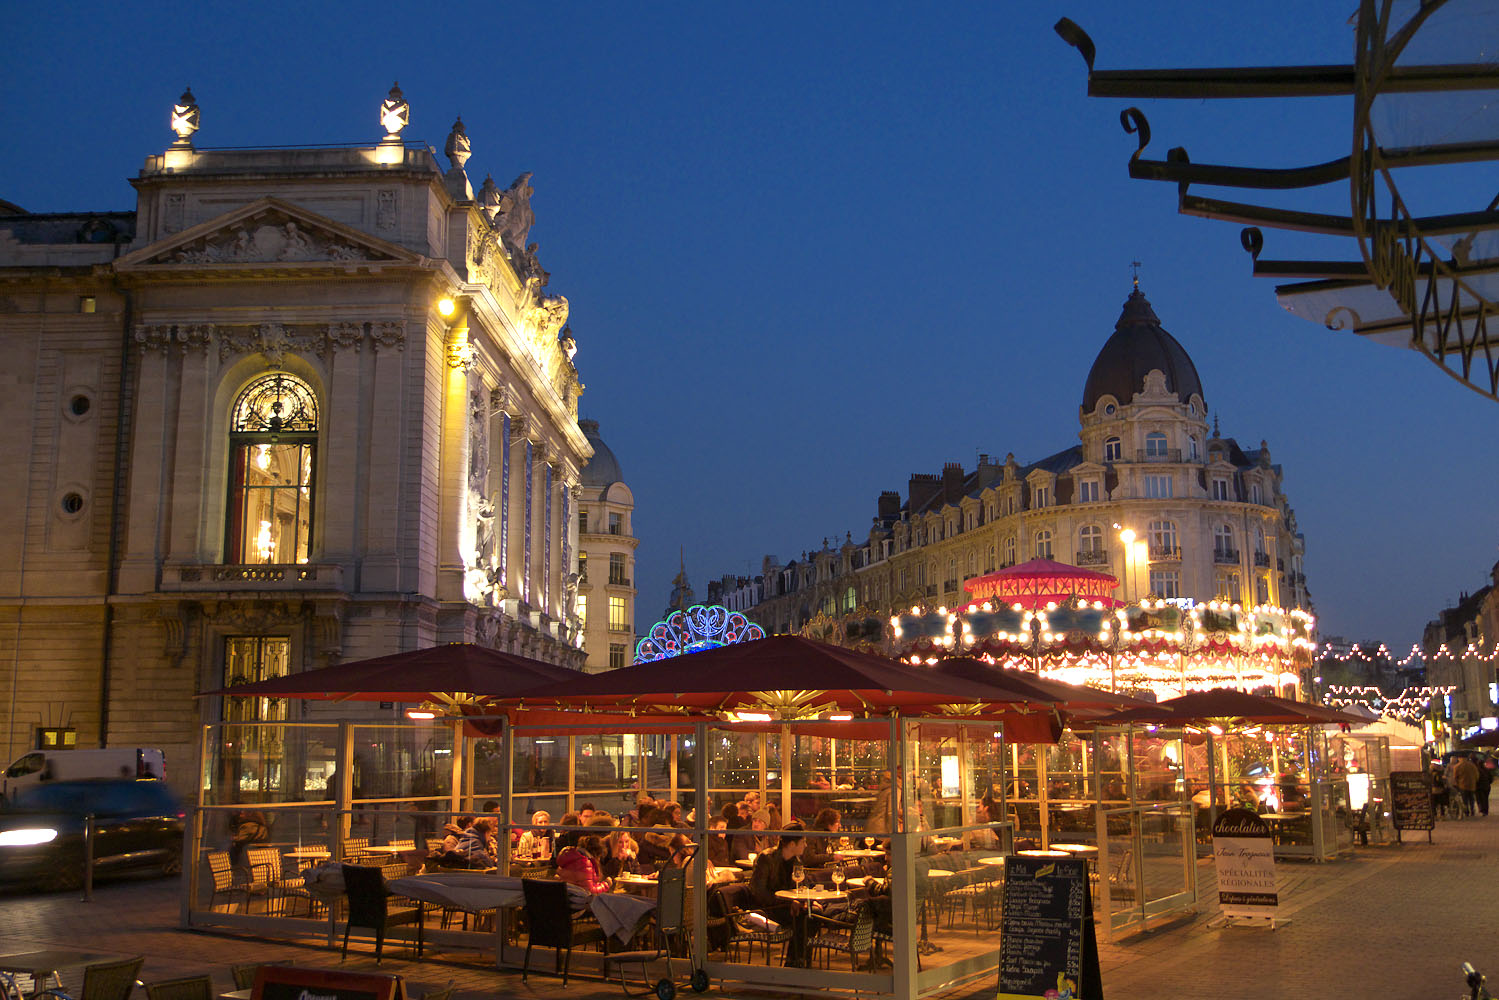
(244, 975)
(549, 923)
(225, 881)
(369, 908)
(104, 981)
(186, 988)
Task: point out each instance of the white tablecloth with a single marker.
(617, 913)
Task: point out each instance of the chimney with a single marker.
(952, 481)
(988, 472)
(889, 506)
(923, 490)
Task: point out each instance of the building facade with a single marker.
(1152, 494)
(606, 558)
(299, 406)
(1459, 647)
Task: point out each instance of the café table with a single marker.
(42, 965)
(307, 854)
(859, 852)
(1044, 854)
(385, 849)
(812, 894)
(996, 862)
(244, 994)
(617, 913)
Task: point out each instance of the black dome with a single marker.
(1138, 346)
(602, 469)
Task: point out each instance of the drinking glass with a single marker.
(869, 843)
(798, 876)
(838, 877)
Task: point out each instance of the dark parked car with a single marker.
(137, 826)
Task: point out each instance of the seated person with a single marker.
(477, 845)
(772, 874)
(718, 843)
(749, 840)
(580, 865)
(820, 781)
(566, 838)
(453, 832)
(621, 855)
(537, 841)
(655, 846)
(819, 852)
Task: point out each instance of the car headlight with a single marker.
(27, 838)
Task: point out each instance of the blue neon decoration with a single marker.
(696, 629)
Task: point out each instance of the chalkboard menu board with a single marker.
(1047, 945)
(284, 982)
(1410, 805)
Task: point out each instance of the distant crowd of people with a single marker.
(1461, 789)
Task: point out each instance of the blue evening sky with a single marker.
(813, 248)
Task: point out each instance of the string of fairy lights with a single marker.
(1383, 654)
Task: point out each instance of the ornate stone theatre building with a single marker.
(1153, 494)
(299, 406)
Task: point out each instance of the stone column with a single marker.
(344, 443)
(147, 478)
(388, 563)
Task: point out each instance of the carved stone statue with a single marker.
(515, 218)
(484, 533)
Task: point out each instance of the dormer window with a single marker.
(1041, 497)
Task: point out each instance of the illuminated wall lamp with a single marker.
(416, 713)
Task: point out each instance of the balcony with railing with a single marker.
(1262, 559)
(1165, 553)
(1093, 557)
(253, 576)
(1226, 557)
(1158, 455)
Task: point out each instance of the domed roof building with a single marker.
(1152, 494)
(606, 557)
(1139, 346)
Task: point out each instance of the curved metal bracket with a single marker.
(1252, 240)
(1133, 120)
(1078, 39)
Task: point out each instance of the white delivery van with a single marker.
(68, 765)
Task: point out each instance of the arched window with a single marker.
(1010, 551)
(989, 559)
(1113, 449)
(1090, 539)
(272, 451)
(1163, 539)
(1259, 540)
(1193, 449)
(1043, 544)
(1223, 540)
(1155, 445)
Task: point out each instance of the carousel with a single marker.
(1063, 623)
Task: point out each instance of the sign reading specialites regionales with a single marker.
(1244, 856)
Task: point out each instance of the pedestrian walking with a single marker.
(1481, 791)
(1463, 776)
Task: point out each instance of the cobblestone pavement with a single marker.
(1393, 923)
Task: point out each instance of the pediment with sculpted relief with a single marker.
(266, 232)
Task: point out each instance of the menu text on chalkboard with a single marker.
(1047, 945)
(1410, 801)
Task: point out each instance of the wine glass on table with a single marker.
(869, 843)
(838, 877)
(798, 876)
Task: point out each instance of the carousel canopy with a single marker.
(783, 676)
(1040, 582)
(447, 674)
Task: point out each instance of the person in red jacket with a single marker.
(580, 865)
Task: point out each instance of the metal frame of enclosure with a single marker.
(344, 787)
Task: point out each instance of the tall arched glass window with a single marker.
(272, 450)
(1113, 449)
(1089, 539)
(1223, 540)
(1155, 445)
(1043, 544)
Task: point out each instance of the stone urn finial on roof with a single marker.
(395, 113)
(186, 118)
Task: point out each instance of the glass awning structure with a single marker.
(1423, 268)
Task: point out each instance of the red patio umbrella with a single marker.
(1074, 699)
(782, 676)
(1227, 704)
(449, 674)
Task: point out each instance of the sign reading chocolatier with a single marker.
(1244, 855)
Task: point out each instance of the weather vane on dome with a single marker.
(1134, 267)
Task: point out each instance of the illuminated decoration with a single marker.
(1166, 647)
(265, 546)
(395, 113)
(1039, 582)
(698, 628)
(1410, 704)
(1383, 653)
(186, 117)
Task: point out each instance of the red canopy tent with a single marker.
(451, 674)
(783, 676)
(1040, 582)
(1226, 704)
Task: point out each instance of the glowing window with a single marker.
(272, 451)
